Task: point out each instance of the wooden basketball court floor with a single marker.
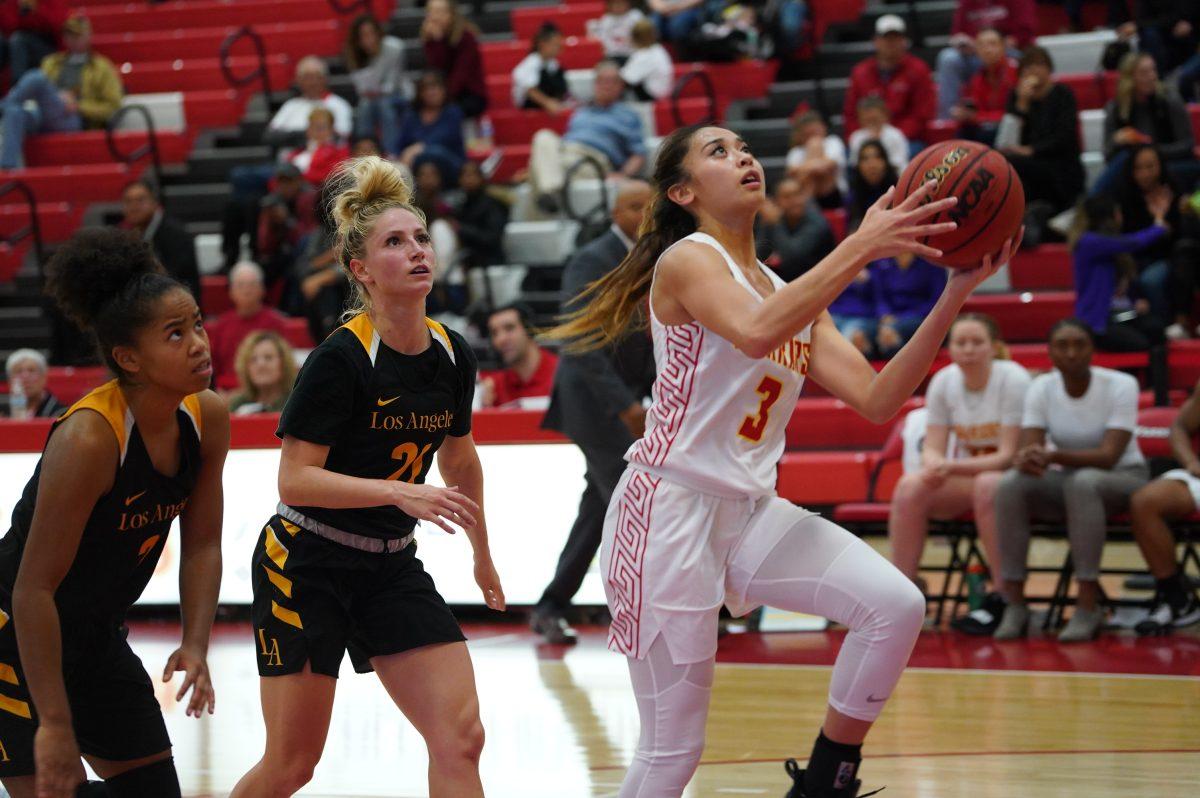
(971, 717)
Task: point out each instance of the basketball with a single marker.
(991, 201)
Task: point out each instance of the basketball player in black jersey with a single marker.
(336, 568)
(120, 465)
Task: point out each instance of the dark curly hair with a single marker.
(107, 281)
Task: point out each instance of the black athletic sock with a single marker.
(832, 767)
(1175, 589)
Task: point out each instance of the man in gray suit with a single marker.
(597, 403)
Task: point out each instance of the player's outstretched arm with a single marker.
(458, 463)
(200, 560)
(843, 370)
(694, 283)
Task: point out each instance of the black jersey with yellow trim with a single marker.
(127, 529)
(383, 414)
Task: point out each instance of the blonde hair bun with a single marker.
(361, 185)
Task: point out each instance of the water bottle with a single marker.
(18, 403)
(976, 577)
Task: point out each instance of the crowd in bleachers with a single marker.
(1114, 180)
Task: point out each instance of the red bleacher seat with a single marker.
(214, 108)
(822, 478)
(57, 220)
(517, 126)
(1024, 316)
(210, 13)
(821, 423)
(1041, 268)
(1091, 90)
(200, 73)
(84, 183)
(70, 383)
(571, 20)
(837, 221)
(90, 146)
(500, 58)
(296, 333)
(292, 39)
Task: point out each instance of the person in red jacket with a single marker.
(30, 30)
(982, 105)
(528, 371)
(322, 151)
(900, 78)
(1016, 22)
(451, 47)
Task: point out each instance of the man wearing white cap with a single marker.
(900, 78)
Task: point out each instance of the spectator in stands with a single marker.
(899, 77)
(74, 88)
(318, 288)
(452, 47)
(449, 293)
(432, 129)
(677, 20)
(1077, 459)
(266, 374)
(793, 233)
(1015, 21)
(247, 293)
(362, 146)
(142, 214)
(605, 129)
(322, 151)
(982, 105)
(480, 219)
(649, 73)
(1166, 29)
(1174, 495)
(539, 82)
(376, 65)
(615, 28)
(1040, 136)
(1164, 267)
(1144, 112)
(979, 398)
(817, 158)
(871, 176)
(873, 126)
(27, 371)
(286, 216)
(1109, 297)
(907, 288)
(289, 126)
(855, 311)
(30, 30)
(528, 371)
(597, 403)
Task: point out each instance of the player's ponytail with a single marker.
(362, 190)
(613, 302)
(107, 281)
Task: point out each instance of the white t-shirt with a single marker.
(1111, 402)
(615, 31)
(975, 417)
(895, 144)
(652, 68)
(527, 75)
(835, 151)
(293, 115)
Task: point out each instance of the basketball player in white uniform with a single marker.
(694, 522)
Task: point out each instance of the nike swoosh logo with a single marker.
(134, 498)
(385, 402)
(873, 700)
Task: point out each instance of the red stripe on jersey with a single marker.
(625, 567)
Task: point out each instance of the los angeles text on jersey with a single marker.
(160, 512)
(793, 355)
(426, 422)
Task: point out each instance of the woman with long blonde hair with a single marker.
(695, 523)
(335, 568)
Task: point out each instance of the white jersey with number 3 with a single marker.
(718, 417)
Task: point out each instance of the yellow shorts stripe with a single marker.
(15, 707)
(276, 550)
(289, 527)
(7, 674)
(280, 581)
(286, 615)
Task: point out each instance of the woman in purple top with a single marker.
(853, 311)
(908, 288)
(1107, 298)
(432, 130)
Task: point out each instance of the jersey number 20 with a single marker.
(753, 426)
(412, 461)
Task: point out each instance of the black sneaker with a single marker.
(553, 627)
(984, 621)
(850, 791)
(1163, 617)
